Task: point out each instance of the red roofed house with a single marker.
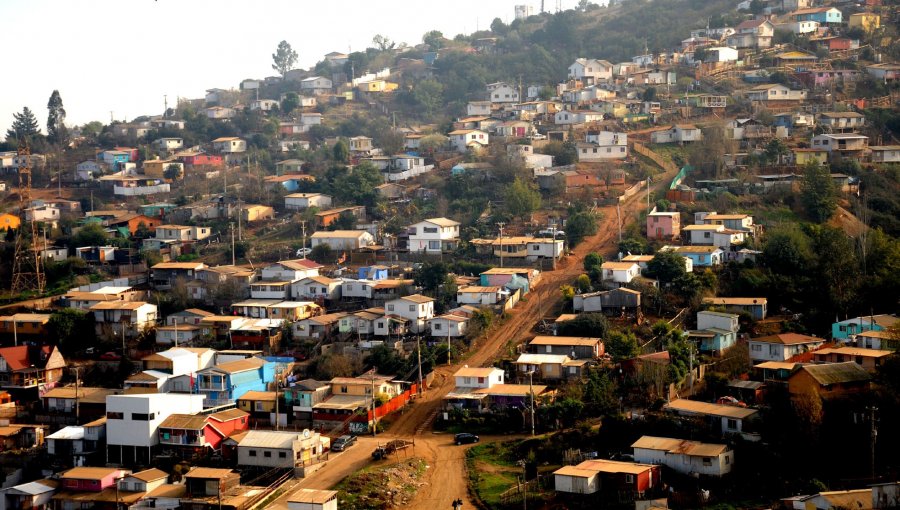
(189, 434)
(28, 371)
(608, 476)
(782, 347)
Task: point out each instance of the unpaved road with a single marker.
(445, 479)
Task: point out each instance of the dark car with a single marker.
(342, 443)
(110, 356)
(465, 438)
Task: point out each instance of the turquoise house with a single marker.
(713, 340)
(226, 382)
(820, 14)
(845, 329)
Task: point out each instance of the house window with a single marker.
(267, 454)
(732, 424)
(142, 416)
(259, 406)
(727, 460)
(412, 308)
(343, 389)
(434, 245)
(282, 455)
(629, 478)
(437, 326)
(115, 416)
(707, 461)
(390, 308)
(252, 453)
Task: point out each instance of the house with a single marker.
(199, 159)
(591, 70)
(822, 15)
(184, 334)
(714, 235)
(28, 371)
(260, 405)
(849, 328)
(613, 302)
(226, 382)
(91, 401)
(327, 217)
(701, 256)
(462, 140)
(775, 92)
(690, 458)
(741, 222)
(469, 378)
(230, 145)
(723, 418)
(614, 478)
(132, 423)
(92, 487)
(317, 327)
(754, 33)
(568, 117)
(181, 233)
(829, 380)
(477, 295)
(678, 133)
(877, 340)
(263, 105)
(805, 156)
(884, 72)
(416, 308)
(317, 288)
(301, 201)
(475, 108)
(8, 221)
(128, 318)
(201, 483)
(841, 143)
(841, 122)
(350, 406)
(620, 273)
(867, 21)
(782, 347)
(880, 154)
(718, 322)
(290, 270)
(313, 499)
(302, 395)
(448, 326)
(316, 85)
(34, 495)
(756, 307)
(27, 326)
(255, 212)
(273, 449)
(501, 92)
(663, 224)
(549, 367)
(720, 54)
(433, 235)
(361, 144)
(869, 359)
(573, 347)
(342, 239)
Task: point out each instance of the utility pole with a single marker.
(531, 392)
(648, 193)
(77, 406)
(501, 224)
(619, 220)
(15, 333)
(374, 418)
(277, 377)
(419, 354)
(691, 366)
(232, 244)
(873, 436)
(449, 353)
(240, 213)
(303, 227)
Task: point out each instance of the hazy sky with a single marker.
(124, 55)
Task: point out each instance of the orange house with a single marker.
(133, 221)
(829, 380)
(8, 221)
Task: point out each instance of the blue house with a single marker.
(227, 382)
(845, 329)
(701, 256)
(713, 340)
(157, 210)
(373, 273)
(821, 14)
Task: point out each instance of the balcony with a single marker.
(205, 385)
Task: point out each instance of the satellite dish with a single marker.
(306, 434)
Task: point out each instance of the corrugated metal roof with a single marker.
(680, 446)
(837, 373)
(269, 439)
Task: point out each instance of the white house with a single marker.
(545, 248)
(885, 153)
(686, 457)
(478, 108)
(841, 121)
(590, 68)
(182, 233)
(448, 325)
(721, 54)
(678, 133)
(276, 449)
(110, 317)
(782, 347)
(180, 334)
(620, 272)
(475, 295)
(313, 499)
(168, 144)
(301, 201)
(290, 270)
(566, 117)
(343, 239)
(433, 235)
(358, 288)
(317, 288)
(592, 152)
(730, 418)
(714, 235)
(502, 92)
(229, 145)
(840, 142)
(263, 105)
(132, 423)
(775, 92)
(718, 320)
(470, 378)
(463, 139)
(416, 308)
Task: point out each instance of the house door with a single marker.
(659, 232)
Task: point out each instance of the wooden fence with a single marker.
(645, 151)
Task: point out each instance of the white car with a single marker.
(549, 232)
(303, 251)
(538, 136)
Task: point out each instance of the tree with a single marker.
(340, 152)
(787, 251)
(649, 94)
(633, 245)
(580, 225)
(90, 235)
(432, 142)
(498, 27)
(345, 221)
(585, 324)
(600, 393)
(429, 95)
(72, 328)
(621, 345)
(24, 126)
(172, 172)
(322, 253)
(522, 199)
(56, 127)
(291, 102)
(284, 57)
(431, 276)
(383, 43)
(775, 149)
(434, 39)
(666, 266)
(583, 283)
(818, 193)
(592, 260)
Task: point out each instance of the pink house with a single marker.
(91, 479)
(663, 225)
(824, 77)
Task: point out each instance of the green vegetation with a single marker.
(381, 486)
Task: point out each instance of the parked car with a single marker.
(110, 356)
(465, 438)
(342, 443)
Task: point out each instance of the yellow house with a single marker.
(257, 402)
(8, 221)
(377, 86)
(362, 386)
(157, 167)
(864, 20)
(257, 212)
(804, 156)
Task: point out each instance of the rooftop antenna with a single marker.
(165, 105)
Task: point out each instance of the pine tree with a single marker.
(284, 57)
(24, 125)
(56, 128)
